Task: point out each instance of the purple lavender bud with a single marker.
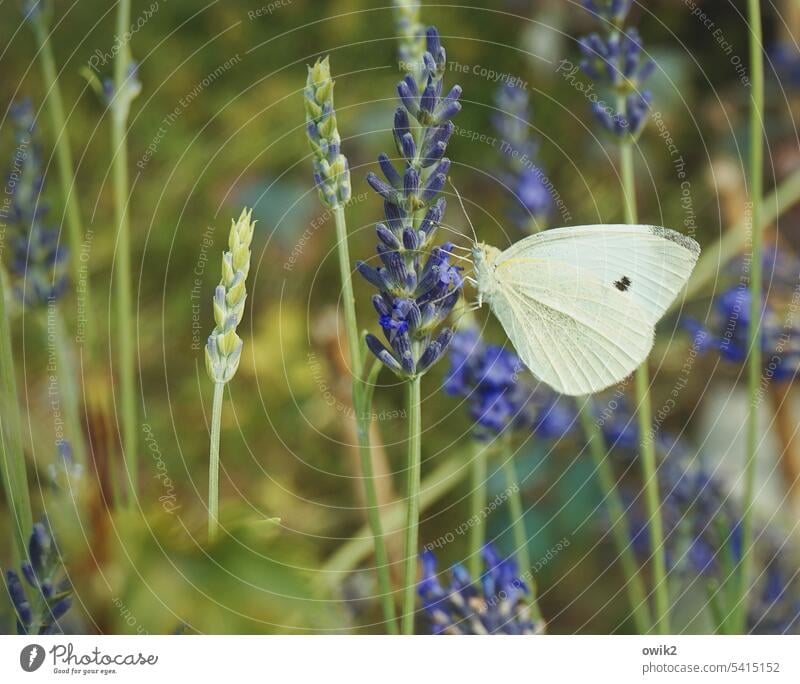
(410, 239)
(408, 100)
(646, 71)
(432, 218)
(435, 143)
(433, 186)
(390, 172)
(369, 274)
(39, 547)
(401, 126)
(387, 236)
(380, 305)
(410, 182)
(59, 609)
(29, 574)
(428, 99)
(396, 266)
(449, 106)
(408, 147)
(434, 45)
(387, 192)
(435, 350)
(18, 598)
(402, 347)
(377, 348)
(395, 216)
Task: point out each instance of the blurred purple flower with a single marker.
(496, 604)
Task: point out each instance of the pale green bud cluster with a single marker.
(410, 32)
(331, 170)
(224, 346)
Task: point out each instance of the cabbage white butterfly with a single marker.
(580, 304)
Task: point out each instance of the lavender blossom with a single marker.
(524, 178)
(614, 11)
(417, 283)
(500, 394)
(38, 259)
(614, 61)
(331, 170)
(496, 604)
(727, 329)
(48, 596)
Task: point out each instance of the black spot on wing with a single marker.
(623, 284)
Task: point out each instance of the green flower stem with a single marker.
(122, 290)
(66, 172)
(414, 468)
(362, 404)
(477, 532)
(644, 414)
(348, 299)
(634, 584)
(517, 513)
(66, 374)
(213, 463)
(754, 336)
(12, 459)
(438, 484)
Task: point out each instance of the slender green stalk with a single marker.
(66, 173)
(414, 468)
(67, 379)
(647, 454)
(348, 299)
(12, 459)
(477, 531)
(644, 414)
(518, 526)
(634, 583)
(362, 402)
(754, 331)
(124, 300)
(440, 482)
(213, 463)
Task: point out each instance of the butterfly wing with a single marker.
(574, 331)
(648, 264)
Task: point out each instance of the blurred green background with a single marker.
(232, 72)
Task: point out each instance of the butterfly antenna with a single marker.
(457, 256)
(464, 209)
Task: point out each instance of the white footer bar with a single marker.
(406, 660)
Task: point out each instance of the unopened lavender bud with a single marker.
(331, 170)
(224, 346)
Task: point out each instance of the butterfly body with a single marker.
(580, 304)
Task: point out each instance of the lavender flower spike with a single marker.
(418, 286)
(38, 259)
(48, 596)
(331, 171)
(615, 62)
(224, 346)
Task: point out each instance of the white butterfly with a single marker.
(580, 304)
